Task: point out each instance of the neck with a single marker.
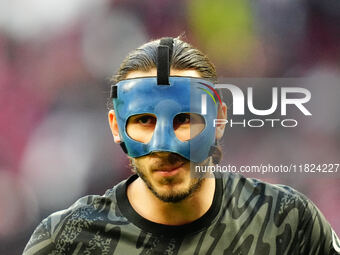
(189, 209)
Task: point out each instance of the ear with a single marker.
(221, 114)
(114, 126)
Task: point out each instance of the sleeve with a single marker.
(316, 234)
(41, 240)
(44, 239)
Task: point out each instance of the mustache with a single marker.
(167, 158)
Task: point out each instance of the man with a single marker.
(164, 208)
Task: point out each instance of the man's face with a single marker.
(166, 174)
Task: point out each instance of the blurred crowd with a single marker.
(56, 59)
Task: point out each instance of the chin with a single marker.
(176, 192)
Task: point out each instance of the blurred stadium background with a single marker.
(56, 58)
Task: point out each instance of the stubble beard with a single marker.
(169, 197)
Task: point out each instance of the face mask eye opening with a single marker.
(188, 125)
(140, 127)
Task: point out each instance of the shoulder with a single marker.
(259, 198)
(239, 185)
(282, 208)
(89, 209)
(87, 212)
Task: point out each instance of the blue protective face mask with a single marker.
(182, 95)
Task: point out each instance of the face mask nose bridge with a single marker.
(164, 137)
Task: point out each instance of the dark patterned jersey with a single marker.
(247, 216)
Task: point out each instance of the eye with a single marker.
(146, 120)
(188, 125)
(183, 118)
(140, 127)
